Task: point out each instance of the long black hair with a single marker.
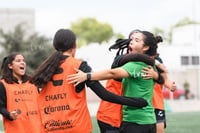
(6, 72)
(64, 40)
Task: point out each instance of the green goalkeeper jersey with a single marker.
(136, 86)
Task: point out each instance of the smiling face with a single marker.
(136, 45)
(18, 66)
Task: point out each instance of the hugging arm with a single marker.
(100, 91)
(136, 57)
(123, 59)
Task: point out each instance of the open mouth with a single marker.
(130, 49)
(21, 68)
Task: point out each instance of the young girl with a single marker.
(18, 97)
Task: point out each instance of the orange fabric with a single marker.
(111, 113)
(158, 99)
(62, 109)
(23, 99)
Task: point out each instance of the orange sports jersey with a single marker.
(111, 113)
(158, 99)
(62, 109)
(23, 99)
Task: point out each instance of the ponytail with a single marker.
(46, 70)
(159, 39)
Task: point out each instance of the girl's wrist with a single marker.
(88, 76)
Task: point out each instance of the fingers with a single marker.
(144, 68)
(77, 70)
(77, 78)
(146, 76)
(146, 72)
(147, 68)
(76, 84)
(71, 76)
(13, 115)
(73, 81)
(150, 67)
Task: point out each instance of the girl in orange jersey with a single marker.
(18, 97)
(63, 107)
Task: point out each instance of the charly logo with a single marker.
(23, 92)
(49, 109)
(59, 96)
(53, 125)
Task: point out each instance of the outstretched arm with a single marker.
(100, 91)
(115, 73)
(100, 75)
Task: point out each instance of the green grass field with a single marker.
(176, 123)
(1, 126)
